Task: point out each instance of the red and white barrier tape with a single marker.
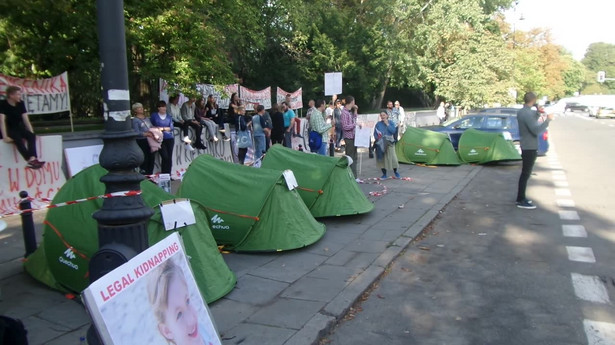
(376, 181)
(72, 202)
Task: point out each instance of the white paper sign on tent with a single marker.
(362, 136)
(291, 181)
(333, 83)
(177, 213)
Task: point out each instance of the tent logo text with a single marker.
(472, 152)
(420, 152)
(216, 220)
(69, 253)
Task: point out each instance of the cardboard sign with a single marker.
(152, 299)
(79, 158)
(177, 213)
(15, 176)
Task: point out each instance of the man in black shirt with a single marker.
(15, 126)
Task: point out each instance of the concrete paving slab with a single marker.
(290, 267)
(254, 334)
(286, 313)
(229, 313)
(256, 290)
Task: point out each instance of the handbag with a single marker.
(244, 139)
(315, 141)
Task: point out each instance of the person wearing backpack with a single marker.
(319, 133)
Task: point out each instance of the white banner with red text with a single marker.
(41, 96)
(252, 98)
(296, 98)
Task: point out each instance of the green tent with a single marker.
(326, 184)
(424, 146)
(250, 209)
(483, 147)
(71, 237)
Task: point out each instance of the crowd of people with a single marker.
(329, 123)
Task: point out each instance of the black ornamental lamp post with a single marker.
(122, 221)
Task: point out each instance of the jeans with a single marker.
(528, 157)
(338, 136)
(288, 138)
(18, 136)
(166, 155)
(259, 146)
(147, 167)
(351, 151)
(241, 155)
(324, 148)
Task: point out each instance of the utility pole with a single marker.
(122, 221)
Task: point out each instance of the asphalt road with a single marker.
(490, 273)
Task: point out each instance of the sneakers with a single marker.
(35, 164)
(397, 175)
(384, 177)
(526, 204)
(189, 147)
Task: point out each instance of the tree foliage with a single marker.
(457, 50)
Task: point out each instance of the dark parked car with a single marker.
(502, 120)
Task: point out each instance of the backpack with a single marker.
(12, 332)
(315, 141)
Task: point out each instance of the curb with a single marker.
(322, 323)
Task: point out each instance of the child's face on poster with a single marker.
(181, 320)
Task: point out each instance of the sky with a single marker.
(574, 24)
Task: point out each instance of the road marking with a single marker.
(574, 230)
(590, 288)
(568, 215)
(559, 177)
(599, 333)
(561, 184)
(558, 172)
(580, 254)
(565, 203)
(555, 167)
(611, 125)
(562, 192)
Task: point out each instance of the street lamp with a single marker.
(122, 221)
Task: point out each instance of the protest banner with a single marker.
(138, 302)
(333, 83)
(296, 98)
(251, 98)
(39, 183)
(221, 94)
(41, 96)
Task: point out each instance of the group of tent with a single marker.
(433, 148)
(240, 208)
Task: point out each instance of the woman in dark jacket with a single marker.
(277, 119)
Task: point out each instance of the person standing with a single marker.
(319, 125)
(244, 140)
(164, 123)
(337, 113)
(529, 129)
(277, 122)
(400, 120)
(259, 127)
(142, 126)
(15, 127)
(289, 123)
(232, 108)
(441, 112)
(200, 115)
(349, 123)
(384, 136)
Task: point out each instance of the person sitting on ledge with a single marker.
(15, 126)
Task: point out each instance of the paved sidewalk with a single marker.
(281, 298)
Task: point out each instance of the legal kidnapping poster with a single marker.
(152, 299)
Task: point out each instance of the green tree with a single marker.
(600, 56)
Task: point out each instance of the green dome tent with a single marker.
(71, 237)
(483, 147)
(250, 209)
(326, 184)
(424, 146)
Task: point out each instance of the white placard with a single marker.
(333, 83)
(126, 304)
(177, 213)
(79, 158)
(363, 136)
(291, 181)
